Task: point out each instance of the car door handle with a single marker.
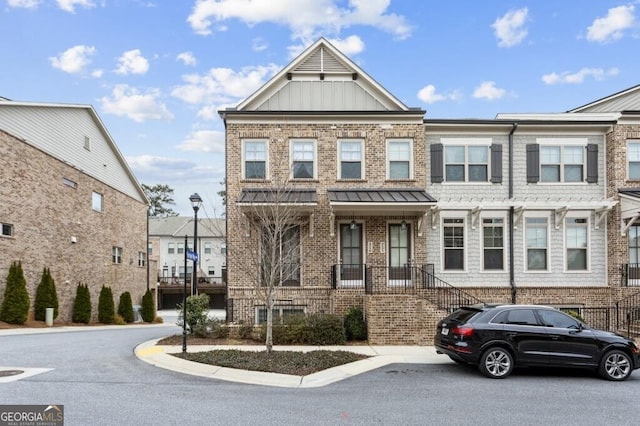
(512, 334)
(554, 337)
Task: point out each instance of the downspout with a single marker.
(512, 280)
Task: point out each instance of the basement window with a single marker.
(7, 230)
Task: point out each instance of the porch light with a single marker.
(403, 225)
(352, 226)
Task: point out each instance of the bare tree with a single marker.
(270, 220)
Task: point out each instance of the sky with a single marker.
(158, 71)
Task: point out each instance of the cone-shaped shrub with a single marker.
(148, 308)
(82, 305)
(125, 307)
(46, 296)
(15, 305)
(106, 307)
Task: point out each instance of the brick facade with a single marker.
(47, 214)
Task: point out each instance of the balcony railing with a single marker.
(406, 279)
(631, 274)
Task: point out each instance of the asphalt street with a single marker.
(100, 381)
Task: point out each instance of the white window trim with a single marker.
(115, 250)
(411, 160)
(630, 141)
(11, 227)
(466, 164)
(504, 246)
(525, 265)
(465, 220)
(576, 215)
(339, 160)
(292, 142)
(266, 159)
(562, 142)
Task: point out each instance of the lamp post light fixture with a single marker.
(196, 202)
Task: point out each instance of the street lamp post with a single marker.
(196, 202)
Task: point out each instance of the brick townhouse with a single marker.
(410, 217)
(69, 202)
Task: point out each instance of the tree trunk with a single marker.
(269, 339)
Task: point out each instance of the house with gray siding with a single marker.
(69, 202)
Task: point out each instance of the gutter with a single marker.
(512, 280)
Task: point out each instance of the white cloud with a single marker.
(223, 84)
(97, 73)
(26, 4)
(580, 76)
(73, 60)
(129, 102)
(132, 62)
(612, 26)
(70, 5)
(488, 90)
(306, 18)
(351, 45)
(428, 95)
(204, 141)
(209, 113)
(258, 44)
(187, 58)
(510, 29)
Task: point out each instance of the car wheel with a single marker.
(615, 365)
(496, 363)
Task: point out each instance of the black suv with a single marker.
(498, 338)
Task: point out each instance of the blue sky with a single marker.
(158, 71)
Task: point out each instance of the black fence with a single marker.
(407, 279)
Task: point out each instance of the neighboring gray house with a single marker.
(167, 248)
(69, 202)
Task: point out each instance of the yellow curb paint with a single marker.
(149, 351)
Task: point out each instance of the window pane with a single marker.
(350, 170)
(477, 173)
(350, 151)
(633, 152)
(303, 170)
(399, 151)
(398, 170)
(537, 259)
(550, 154)
(577, 259)
(550, 174)
(454, 154)
(455, 173)
(493, 259)
(96, 201)
(255, 170)
(573, 173)
(454, 259)
(255, 151)
(478, 154)
(634, 170)
(573, 154)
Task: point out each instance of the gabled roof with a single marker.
(625, 100)
(322, 78)
(179, 226)
(69, 132)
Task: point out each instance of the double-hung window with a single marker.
(399, 159)
(576, 243)
(562, 163)
(493, 240)
(116, 255)
(142, 258)
(96, 201)
(350, 152)
(453, 235)
(254, 153)
(633, 159)
(180, 248)
(303, 155)
(171, 248)
(537, 243)
(468, 163)
(207, 248)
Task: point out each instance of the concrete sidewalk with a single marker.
(160, 356)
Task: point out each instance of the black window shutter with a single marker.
(592, 163)
(496, 163)
(437, 166)
(533, 163)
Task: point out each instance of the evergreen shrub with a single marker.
(125, 307)
(46, 297)
(106, 307)
(148, 308)
(15, 304)
(82, 305)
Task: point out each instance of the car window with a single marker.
(517, 317)
(462, 315)
(558, 319)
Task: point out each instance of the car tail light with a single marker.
(464, 331)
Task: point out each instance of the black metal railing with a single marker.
(405, 279)
(627, 315)
(631, 274)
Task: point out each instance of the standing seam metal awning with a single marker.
(300, 199)
(378, 201)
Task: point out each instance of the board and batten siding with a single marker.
(60, 131)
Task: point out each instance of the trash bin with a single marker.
(137, 313)
(48, 316)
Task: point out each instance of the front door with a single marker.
(400, 270)
(633, 270)
(351, 263)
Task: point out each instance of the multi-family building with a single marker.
(167, 237)
(410, 217)
(69, 202)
